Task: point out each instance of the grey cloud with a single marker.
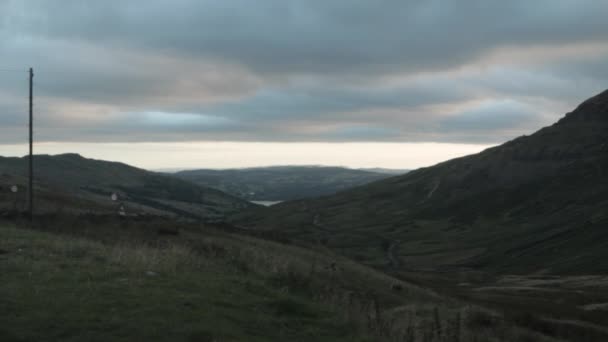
(12, 115)
(363, 133)
(588, 70)
(490, 117)
(94, 74)
(274, 70)
(325, 103)
(490, 122)
(330, 36)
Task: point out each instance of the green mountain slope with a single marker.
(71, 183)
(281, 183)
(536, 203)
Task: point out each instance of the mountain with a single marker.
(281, 183)
(71, 183)
(386, 171)
(538, 203)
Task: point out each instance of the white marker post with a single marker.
(14, 189)
(121, 207)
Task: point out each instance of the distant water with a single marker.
(266, 203)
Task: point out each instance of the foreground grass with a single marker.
(108, 282)
(57, 288)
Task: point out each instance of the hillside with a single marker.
(536, 203)
(119, 281)
(282, 183)
(71, 183)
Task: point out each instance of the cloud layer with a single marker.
(298, 71)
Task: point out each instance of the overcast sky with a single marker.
(155, 83)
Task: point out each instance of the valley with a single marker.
(303, 171)
(283, 183)
(508, 244)
(521, 226)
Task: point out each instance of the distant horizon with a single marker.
(225, 84)
(270, 166)
(370, 169)
(237, 155)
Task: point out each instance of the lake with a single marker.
(266, 203)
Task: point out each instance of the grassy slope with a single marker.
(73, 289)
(121, 283)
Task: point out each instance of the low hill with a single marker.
(282, 183)
(538, 203)
(71, 183)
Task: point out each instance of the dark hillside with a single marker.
(71, 183)
(538, 202)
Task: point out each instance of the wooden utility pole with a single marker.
(31, 159)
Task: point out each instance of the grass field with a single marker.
(79, 280)
(61, 288)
